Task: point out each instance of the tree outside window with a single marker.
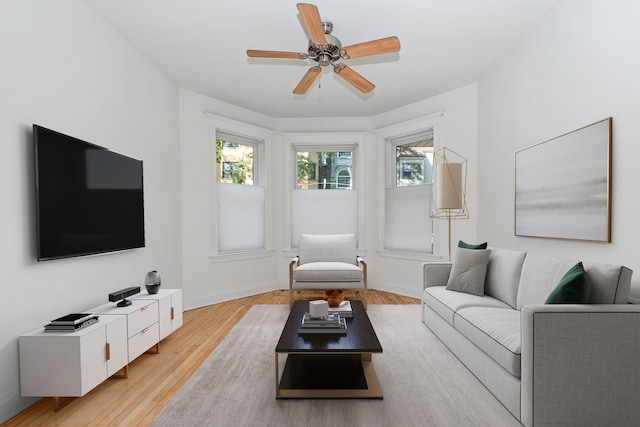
(234, 162)
(324, 170)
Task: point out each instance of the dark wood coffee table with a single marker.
(325, 366)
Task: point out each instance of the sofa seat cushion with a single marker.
(328, 272)
(496, 331)
(446, 302)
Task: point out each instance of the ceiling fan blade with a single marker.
(307, 80)
(275, 54)
(355, 79)
(373, 47)
(312, 23)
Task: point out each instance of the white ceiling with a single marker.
(201, 45)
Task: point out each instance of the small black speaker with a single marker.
(122, 294)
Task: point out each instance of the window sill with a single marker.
(240, 255)
(410, 255)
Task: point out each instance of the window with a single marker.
(414, 158)
(234, 160)
(240, 197)
(407, 224)
(330, 162)
(324, 170)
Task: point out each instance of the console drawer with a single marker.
(143, 340)
(142, 318)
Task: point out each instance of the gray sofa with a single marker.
(548, 364)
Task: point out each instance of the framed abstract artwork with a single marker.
(563, 186)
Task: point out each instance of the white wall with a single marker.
(63, 67)
(576, 67)
(209, 279)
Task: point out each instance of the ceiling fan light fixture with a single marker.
(325, 53)
(326, 49)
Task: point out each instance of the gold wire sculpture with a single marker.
(449, 198)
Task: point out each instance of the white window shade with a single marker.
(407, 223)
(240, 217)
(323, 212)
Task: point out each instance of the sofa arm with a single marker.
(435, 273)
(580, 364)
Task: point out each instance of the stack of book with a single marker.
(344, 310)
(71, 322)
(332, 324)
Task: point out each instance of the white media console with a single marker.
(70, 364)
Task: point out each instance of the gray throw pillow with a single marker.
(468, 271)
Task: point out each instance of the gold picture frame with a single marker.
(563, 186)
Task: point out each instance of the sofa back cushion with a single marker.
(503, 275)
(328, 248)
(541, 274)
(610, 284)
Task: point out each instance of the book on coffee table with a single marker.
(333, 326)
(344, 309)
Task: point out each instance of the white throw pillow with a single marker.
(468, 271)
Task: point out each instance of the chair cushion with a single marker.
(327, 248)
(327, 272)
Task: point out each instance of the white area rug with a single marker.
(422, 382)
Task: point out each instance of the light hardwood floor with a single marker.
(155, 378)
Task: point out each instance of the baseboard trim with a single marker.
(230, 295)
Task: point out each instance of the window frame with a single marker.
(322, 141)
(262, 138)
(393, 144)
(387, 163)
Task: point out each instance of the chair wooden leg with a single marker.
(292, 264)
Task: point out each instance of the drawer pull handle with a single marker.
(145, 329)
(144, 308)
(108, 351)
(172, 314)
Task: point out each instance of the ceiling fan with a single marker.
(326, 49)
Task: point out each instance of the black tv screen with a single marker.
(89, 200)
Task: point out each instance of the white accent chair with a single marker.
(326, 262)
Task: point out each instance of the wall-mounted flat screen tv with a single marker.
(89, 200)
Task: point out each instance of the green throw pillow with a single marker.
(574, 288)
(464, 245)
